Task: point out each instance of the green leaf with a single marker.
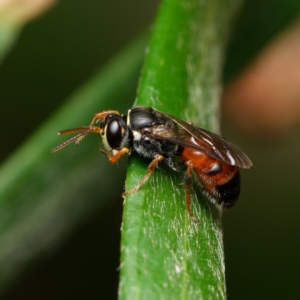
(164, 254)
(43, 196)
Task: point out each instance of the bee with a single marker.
(180, 145)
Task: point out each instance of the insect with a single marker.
(180, 145)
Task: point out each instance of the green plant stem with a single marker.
(165, 255)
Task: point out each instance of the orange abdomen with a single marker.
(220, 180)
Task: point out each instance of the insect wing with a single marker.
(211, 144)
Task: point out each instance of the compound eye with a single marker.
(114, 134)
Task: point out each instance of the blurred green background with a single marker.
(54, 55)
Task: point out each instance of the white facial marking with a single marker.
(104, 140)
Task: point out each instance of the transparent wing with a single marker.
(211, 144)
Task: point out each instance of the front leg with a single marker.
(150, 169)
(113, 158)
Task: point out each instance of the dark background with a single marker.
(54, 55)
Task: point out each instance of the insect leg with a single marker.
(188, 181)
(113, 158)
(150, 169)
